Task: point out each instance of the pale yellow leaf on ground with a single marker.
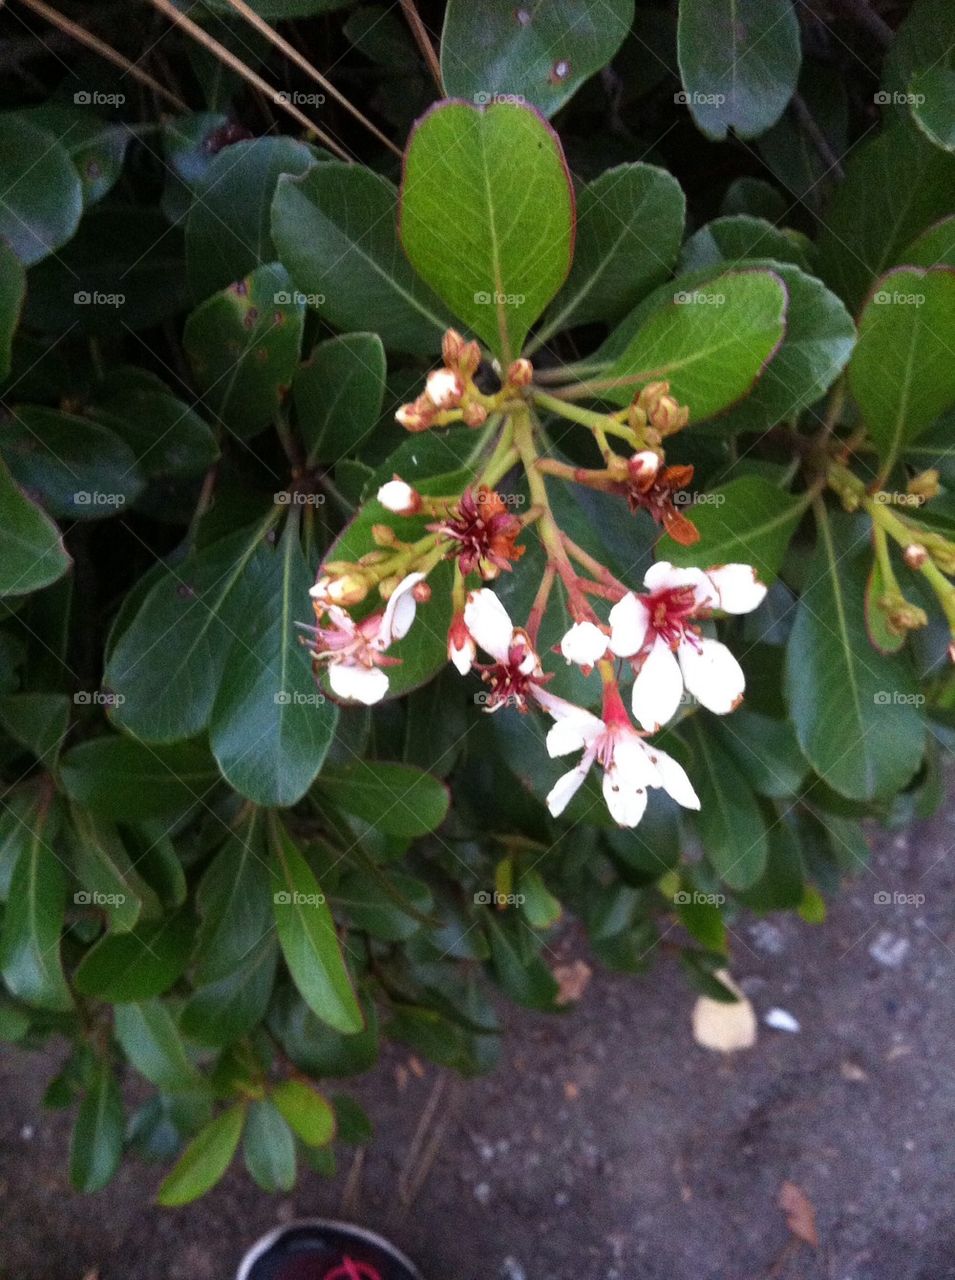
(724, 1027)
(800, 1214)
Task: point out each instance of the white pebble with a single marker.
(781, 1020)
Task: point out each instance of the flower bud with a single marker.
(421, 591)
(399, 497)
(903, 616)
(915, 555)
(642, 467)
(384, 536)
(925, 485)
(461, 647)
(663, 412)
(346, 589)
(460, 355)
(474, 415)
(417, 416)
(520, 374)
(444, 388)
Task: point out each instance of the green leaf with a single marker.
(923, 40)
(933, 105)
(766, 750)
(121, 778)
(881, 634)
(13, 284)
(742, 236)
(337, 393)
(79, 468)
(149, 1038)
(748, 521)
(228, 233)
(781, 885)
(710, 343)
(541, 54)
(243, 345)
(270, 727)
(307, 1112)
(308, 939)
(32, 554)
(167, 437)
(518, 968)
(269, 1147)
(30, 937)
(896, 185)
(383, 907)
(800, 162)
(199, 604)
(629, 228)
(229, 1008)
(122, 967)
(43, 197)
(313, 1046)
(205, 1160)
(739, 62)
(397, 799)
(104, 869)
(96, 148)
(935, 247)
(97, 1143)
(487, 216)
(902, 373)
(730, 821)
(335, 232)
(38, 721)
(854, 709)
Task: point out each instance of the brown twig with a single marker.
(423, 41)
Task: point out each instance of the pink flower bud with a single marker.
(399, 497)
(444, 388)
(521, 373)
(461, 647)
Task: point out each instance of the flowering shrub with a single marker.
(417, 546)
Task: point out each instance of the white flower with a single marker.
(630, 765)
(584, 644)
(461, 647)
(399, 497)
(399, 611)
(444, 388)
(658, 629)
(517, 669)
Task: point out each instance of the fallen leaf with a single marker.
(721, 1026)
(572, 981)
(800, 1214)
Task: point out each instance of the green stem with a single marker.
(596, 422)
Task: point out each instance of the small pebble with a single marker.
(889, 949)
(781, 1020)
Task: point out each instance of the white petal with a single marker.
(664, 576)
(658, 688)
(625, 801)
(462, 656)
(628, 626)
(740, 591)
(565, 788)
(399, 611)
(397, 496)
(487, 620)
(573, 733)
(673, 779)
(630, 757)
(712, 675)
(444, 388)
(357, 683)
(584, 644)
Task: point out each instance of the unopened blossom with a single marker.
(584, 644)
(516, 672)
(462, 650)
(344, 589)
(444, 388)
(630, 765)
(353, 653)
(399, 497)
(656, 408)
(484, 532)
(659, 632)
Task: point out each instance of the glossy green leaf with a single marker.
(730, 821)
(97, 1143)
(32, 554)
(228, 233)
(389, 908)
(315, 1047)
(204, 1160)
(121, 778)
(781, 884)
(43, 197)
(518, 968)
(742, 236)
(924, 39)
(136, 966)
(38, 721)
(629, 228)
(308, 939)
(269, 1147)
(766, 750)
(335, 231)
(270, 728)
(224, 1010)
(395, 798)
(739, 62)
(30, 936)
(79, 468)
(105, 870)
(243, 345)
(854, 709)
(902, 373)
(96, 147)
(233, 902)
(536, 53)
(149, 1038)
(933, 106)
(748, 521)
(337, 393)
(166, 435)
(307, 1112)
(935, 247)
(13, 284)
(711, 343)
(487, 216)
